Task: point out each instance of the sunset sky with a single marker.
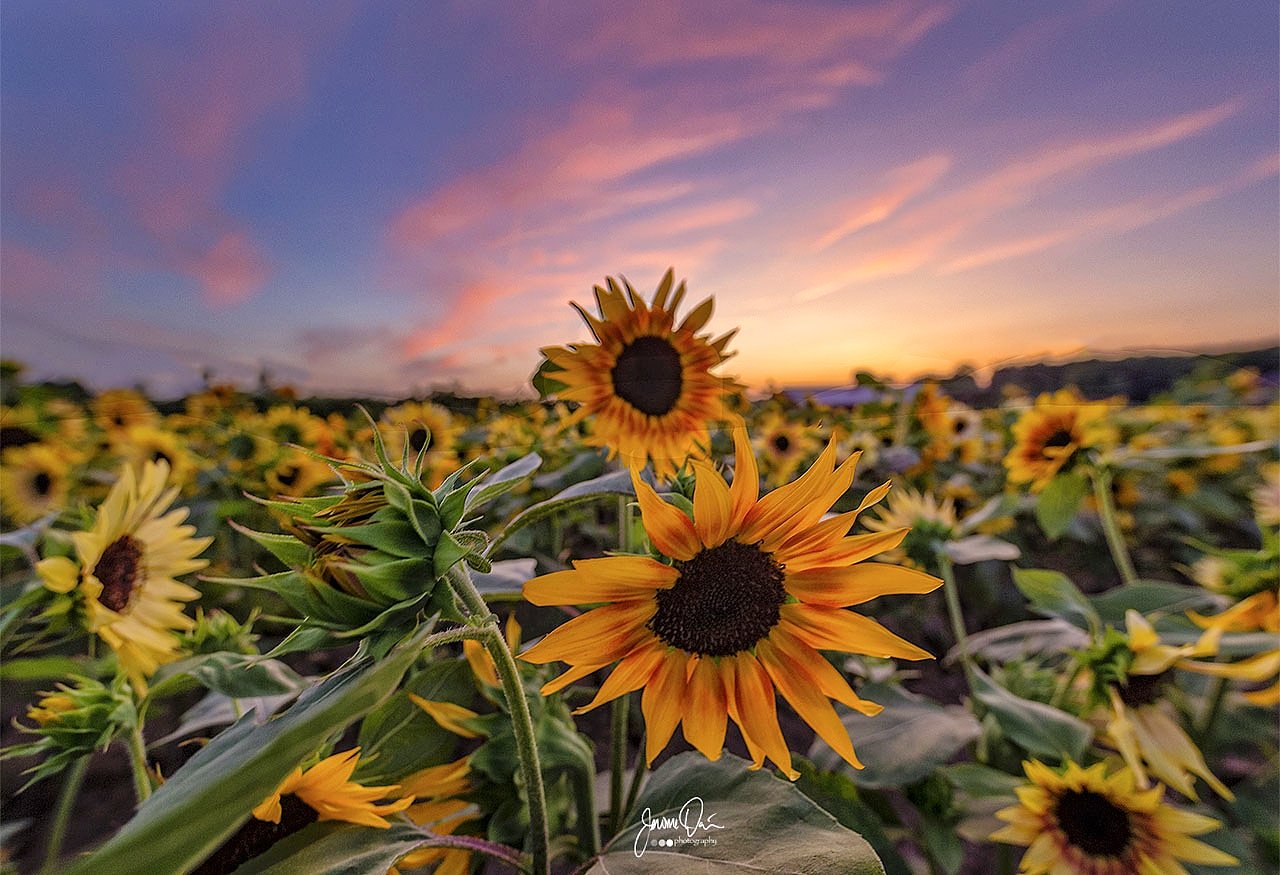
(382, 196)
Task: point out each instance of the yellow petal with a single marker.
(842, 587)
(599, 636)
(712, 506)
(756, 711)
(837, 629)
(799, 687)
(705, 711)
(448, 715)
(632, 673)
(670, 530)
(662, 702)
(613, 579)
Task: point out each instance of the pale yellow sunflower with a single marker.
(125, 567)
(137, 444)
(755, 589)
(646, 387)
(1086, 822)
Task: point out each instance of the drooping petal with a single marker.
(712, 506)
(663, 702)
(705, 709)
(799, 687)
(756, 711)
(632, 673)
(616, 578)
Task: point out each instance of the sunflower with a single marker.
(645, 386)
(138, 444)
(755, 589)
(323, 792)
(297, 473)
(1086, 822)
(117, 409)
(34, 481)
(1049, 436)
(127, 562)
(418, 424)
(783, 446)
(930, 521)
(438, 808)
(1140, 728)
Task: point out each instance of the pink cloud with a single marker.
(905, 183)
(231, 270)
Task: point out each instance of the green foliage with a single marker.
(1059, 502)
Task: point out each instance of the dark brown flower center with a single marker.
(257, 836)
(418, 438)
(117, 570)
(648, 375)
(162, 456)
(42, 483)
(16, 436)
(725, 600)
(288, 475)
(1059, 438)
(1144, 689)
(781, 443)
(1093, 823)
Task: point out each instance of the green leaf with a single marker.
(503, 481)
(840, 798)
(766, 825)
(286, 548)
(1053, 593)
(942, 844)
(1057, 505)
(53, 668)
(233, 674)
(981, 781)
(399, 738)
(937, 734)
(1041, 729)
(545, 384)
(1148, 596)
(336, 849)
(392, 536)
(448, 553)
(206, 800)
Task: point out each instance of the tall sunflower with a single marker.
(1048, 438)
(1086, 822)
(125, 567)
(755, 588)
(645, 386)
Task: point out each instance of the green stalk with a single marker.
(518, 707)
(619, 762)
(138, 763)
(1101, 478)
(637, 778)
(952, 595)
(62, 813)
(1218, 693)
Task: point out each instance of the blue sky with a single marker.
(386, 196)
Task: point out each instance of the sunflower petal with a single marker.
(670, 530)
(712, 506)
(800, 687)
(600, 636)
(842, 587)
(616, 578)
(836, 629)
(757, 712)
(632, 673)
(662, 702)
(705, 709)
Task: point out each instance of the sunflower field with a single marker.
(641, 624)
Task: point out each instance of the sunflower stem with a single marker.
(62, 814)
(1101, 478)
(1217, 695)
(637, 778)
(619, 762)
(518, 707)
(952, 595)
(138, 762)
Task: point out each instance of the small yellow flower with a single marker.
(1049, 437)
(1086, 822)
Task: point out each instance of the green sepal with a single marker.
(389, 580)
(286, 548)
(545, 384)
